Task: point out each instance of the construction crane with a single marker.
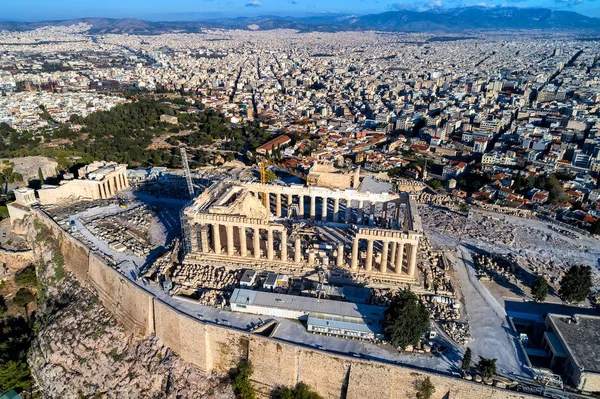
(188, 174)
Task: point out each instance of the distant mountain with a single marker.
(450, 20)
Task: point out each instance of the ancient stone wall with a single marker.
(216, 349)
(16, 259)
(129, 303)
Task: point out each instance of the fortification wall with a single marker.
(216, 349)
(129, 303)
(76, 256)
(16, 259)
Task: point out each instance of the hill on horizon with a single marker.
(435, 21)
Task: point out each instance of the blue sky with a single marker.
(35, 10)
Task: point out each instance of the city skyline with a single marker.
(153, 10)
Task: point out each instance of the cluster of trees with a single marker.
(550, 183)
(486, 367)
(16, 334)
(575, 286)
(243, 389)
(124, 133)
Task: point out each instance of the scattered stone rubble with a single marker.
(129, 229)
(210, 285)
(496, 267)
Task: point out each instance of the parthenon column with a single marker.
(369, 261)
(297, 250)
(290, 200)
(399, 257)
(348, 213)
(256, 246)
(301, 206)
(340, 255)
(372, 214)
(204, 239)
(360, 212)
(324, 209)
(230, 246)
(216, 238)
(393, 254)
(336, 209)
(313, 205)
(243, 246)
(354, 260)
(384, 214)
(284, 254)
(412, 260)
(384, 257)
(267, 201)
(278, 204)
(270, 243)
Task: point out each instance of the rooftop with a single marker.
(309, 305)
(582, 340)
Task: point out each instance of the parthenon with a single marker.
(303, 227)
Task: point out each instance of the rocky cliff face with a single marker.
(81, 352)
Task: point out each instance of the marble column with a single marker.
(384, 214)
(340, 255)
(324, 209)
(369, 260)
(216, 238)
(284, 249)
(393, 254)
(399, 257)
(270, 244)
(290, 200)
(301, 206)
(384, 257)
(267, 201)
(348, 213)
(372, 214)
(230, 246)
(360, 212)
(354, 260)
(313, 205)
(336, 209)
(256, 247)
(203, 239)
(297, 250)
(278, 204)
(243, 245)
(412, 263)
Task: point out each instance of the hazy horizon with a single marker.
(191, 10)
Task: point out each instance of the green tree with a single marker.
(300, 391)
(270, 175)
(26, 277)
(466, 361)
(3, 306)
(406, 319)
(8, 176)
(240, 377)
(486, 367)
(14, 375)
(424, 388)
(436, 184)
(3, 211)
(23, 297)
(539, 290)
(576, 284)
(41, 176)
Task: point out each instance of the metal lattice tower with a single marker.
(188, 174)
